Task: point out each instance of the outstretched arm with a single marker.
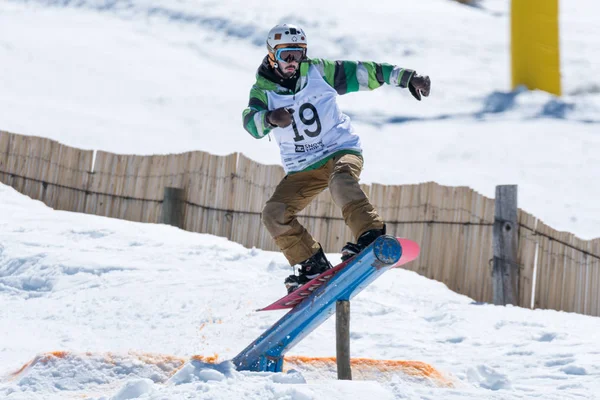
(352, 76)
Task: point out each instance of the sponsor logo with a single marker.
(310, 147)
(314, 146)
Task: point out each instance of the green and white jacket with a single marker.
(319, 129)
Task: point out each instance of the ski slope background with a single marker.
(163, 76)
(126, 306)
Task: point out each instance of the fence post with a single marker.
(342, 331)
(172, 207)
(505, 273)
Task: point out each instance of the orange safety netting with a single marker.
(325, 367)
(367, 368)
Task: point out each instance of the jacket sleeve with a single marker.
(352, 76)
(254, 115)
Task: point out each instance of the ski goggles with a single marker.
(289, 54)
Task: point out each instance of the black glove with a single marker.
(280, 117)
(419, 85)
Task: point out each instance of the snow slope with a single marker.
(156, 76)
(131, 304)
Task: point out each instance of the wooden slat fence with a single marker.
(567, 269)
(224, 195)
(45, 170)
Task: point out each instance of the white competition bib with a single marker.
(318, 129)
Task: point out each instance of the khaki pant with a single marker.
(341, 174)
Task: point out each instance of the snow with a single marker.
(149, 311)
(99, 308)
(121, 76)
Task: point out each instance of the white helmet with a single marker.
(285, 35)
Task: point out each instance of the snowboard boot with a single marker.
(309, 269)
(352, 249)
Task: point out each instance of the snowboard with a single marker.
(410, 251)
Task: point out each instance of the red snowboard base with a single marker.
(410, 251)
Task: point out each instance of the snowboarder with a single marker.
(295, 97)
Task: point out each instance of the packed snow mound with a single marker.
(58, 373)
(133, 375)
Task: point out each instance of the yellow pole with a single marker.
(535, 45)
